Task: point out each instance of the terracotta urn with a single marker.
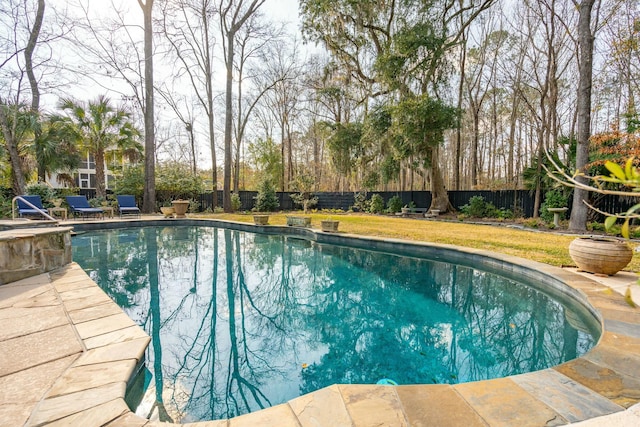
(180, 207)
(167, 211)
(600, 255)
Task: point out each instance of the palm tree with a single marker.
(101, 128)
(55, 148)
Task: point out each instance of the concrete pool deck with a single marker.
(67, 353)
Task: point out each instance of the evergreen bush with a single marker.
(266, 200)
(394, 204)
(377, 204)
(235, 202)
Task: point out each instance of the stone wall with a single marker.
(29, 252)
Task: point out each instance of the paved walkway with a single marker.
(67, 353)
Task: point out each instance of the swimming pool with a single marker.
(241, 321)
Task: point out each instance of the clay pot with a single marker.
(600, 255)
(180, 207)
(167, 211)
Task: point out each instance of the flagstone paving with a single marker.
(67, 353)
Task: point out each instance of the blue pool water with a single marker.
(242, 321)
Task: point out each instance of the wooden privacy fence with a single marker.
(521, 202)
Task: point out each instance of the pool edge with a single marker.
(558, 393)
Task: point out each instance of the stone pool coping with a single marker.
(68, 353)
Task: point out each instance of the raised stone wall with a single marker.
(29, 252)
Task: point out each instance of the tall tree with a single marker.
(55, 148)
(578, 220)
(149, 194)
(254, 41)
(13, 118)
(233, 15)
(187, 25)
(398, 48)
(283, 72)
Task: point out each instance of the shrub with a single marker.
(45, 192)
(5, 206)
(235, 202)
(266, 200)
(479, 208)
(595, 226)
(505, 214)
(360, 202)
(552, 199)
(131, 181)
(177, 181)
(532, 223)
(377, 204)
(394, 204)
(476, 208)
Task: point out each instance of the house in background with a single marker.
(85, 176)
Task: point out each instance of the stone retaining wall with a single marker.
(32, 251)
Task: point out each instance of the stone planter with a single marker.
(329, 225)
(299, 221)
(167, 211)
(600, 255)
(180, 207)
(261, 219)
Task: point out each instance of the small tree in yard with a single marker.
(304, 183)
(266, 200)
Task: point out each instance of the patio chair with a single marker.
(26, 210)
(80, 206)
(127, 205)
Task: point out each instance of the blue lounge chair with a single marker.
(80, 206)
(26, 210)
(127, 205)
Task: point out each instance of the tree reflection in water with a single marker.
(243, 321)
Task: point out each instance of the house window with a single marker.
(89, 162)
(84, 180)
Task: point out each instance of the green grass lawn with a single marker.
(550, 248)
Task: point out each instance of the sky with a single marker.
(281, 10)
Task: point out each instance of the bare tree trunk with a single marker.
(228, 123)
(28, 56)
(458, 145)
(282, 157)
(439, 196)
(149, 194)
(578, 220)
(474, 145)
(192, 142)
(18, 181)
